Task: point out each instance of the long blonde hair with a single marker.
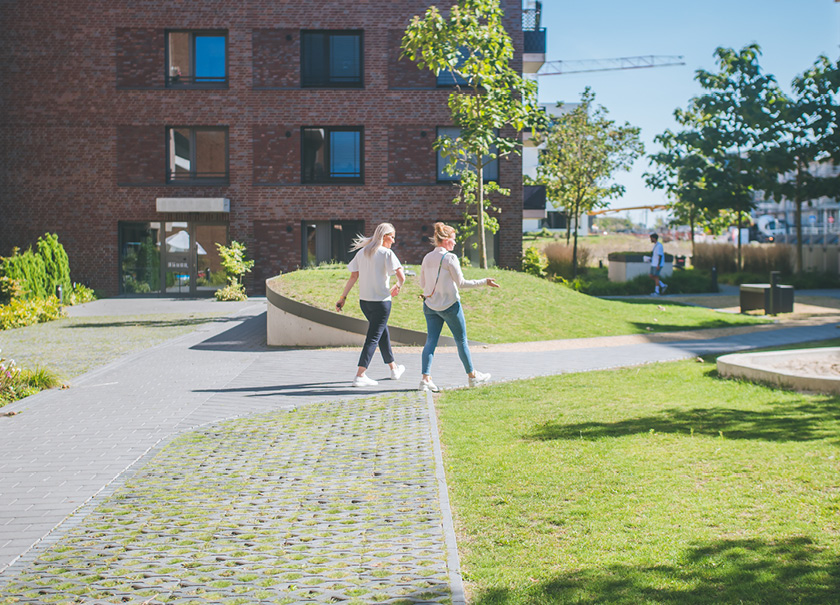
(442, 232)
(371, 244)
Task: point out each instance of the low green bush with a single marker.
(597, 283)
(23, 383)
(534, 262)
(20, 312)
(80, 294)
(231, 292)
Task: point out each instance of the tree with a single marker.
(583, 149)
(489, 97)
(810, 134)
(736, 120)
(680, 170)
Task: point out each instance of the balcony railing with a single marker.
(196, 81)
(183, 176)
(533, 197)
(535, 41)
(534, 34)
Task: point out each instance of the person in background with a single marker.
(372, 266)
(657, 261)
(440, 278)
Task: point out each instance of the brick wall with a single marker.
(85, 111)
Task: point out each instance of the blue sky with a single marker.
(791, 33)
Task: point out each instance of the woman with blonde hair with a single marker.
(372, 266)
(440, 278)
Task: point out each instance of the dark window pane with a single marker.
(314, 61)
(210, 62)
(331, 59)
(313, 155)
(345, 157)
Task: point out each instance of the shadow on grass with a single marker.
(810, 421)
(794, 570)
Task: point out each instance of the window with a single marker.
(332, 155)
(331, 59)
(329, 241)
(491, 169)
(197, 154)
(196, 59)
(448, 78)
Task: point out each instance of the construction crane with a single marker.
(557, 68)
(649, 207)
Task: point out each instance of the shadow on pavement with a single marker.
(249, 336)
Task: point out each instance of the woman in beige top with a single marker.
(441, 278)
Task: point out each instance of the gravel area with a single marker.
(333, 502)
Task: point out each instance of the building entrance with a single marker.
(176, 258)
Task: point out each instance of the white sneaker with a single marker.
(479, 378)
(397, 372)
(364, 381)
(428, 385)
(662, 288)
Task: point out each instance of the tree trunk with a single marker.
(740, 260)
(574, 248)
(568, 225)
(482, 247)
(798, 218)
(691, 227)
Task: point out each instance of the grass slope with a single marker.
(525, 308)
(658, 484)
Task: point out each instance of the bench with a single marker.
(770, 299)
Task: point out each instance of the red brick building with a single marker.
(145, 132)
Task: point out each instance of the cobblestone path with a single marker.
(332, 502)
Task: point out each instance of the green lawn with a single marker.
(525, 308)
(657, 484)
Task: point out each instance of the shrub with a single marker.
(56, 264)
(8, 376)
(80, 294)
(560, 259)
(534, 262)
(231, 292)
(597, 283)
(236, 265)
(722, 256)
(23, 383)
(764, 258)
(38, 273)
(28, 270)
(19, 312)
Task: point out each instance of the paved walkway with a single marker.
(142, 430)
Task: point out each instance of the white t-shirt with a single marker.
(375, 273)
(451, 278)
(657, 258)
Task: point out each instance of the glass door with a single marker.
(210, 275)
(178, 259)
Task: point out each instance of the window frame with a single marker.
(331, 180)
(327, 82)
(193, 179)
(442, 177)
(176, 81)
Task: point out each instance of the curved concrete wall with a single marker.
(295, 324)
(771, 368)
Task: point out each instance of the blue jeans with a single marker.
(454, 318)
(377, 313)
